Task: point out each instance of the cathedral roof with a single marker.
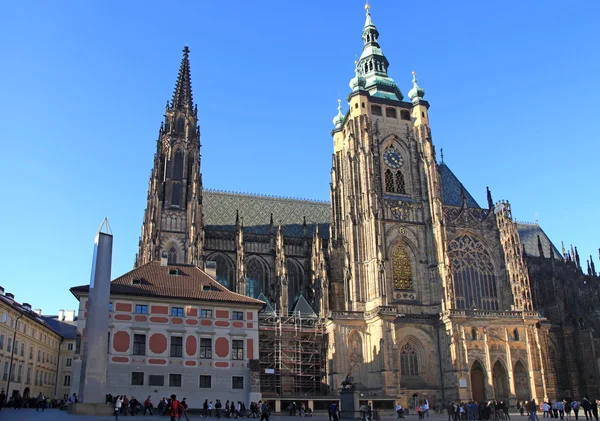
(255, 212)
(184, 282)
(528, 233)
(452, 189)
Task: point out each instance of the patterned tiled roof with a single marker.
(528, 233)
(451, 189)
(255, 213)
(173, 281)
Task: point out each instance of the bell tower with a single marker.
(172, 227)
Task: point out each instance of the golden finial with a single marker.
(339, 102)
(367, 6)
(414, 73)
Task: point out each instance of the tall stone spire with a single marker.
(182, 96)
(373, 65)
(173, 226)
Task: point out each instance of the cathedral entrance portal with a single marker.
(500, 378)
(477, 382)
(521, 382)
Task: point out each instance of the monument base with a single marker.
(349, 405)
(97, 409)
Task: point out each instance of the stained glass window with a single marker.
(389, 181)
(400, 188)
(474, 279)
(224, 270)
(401, 268)
(256, 277)
(409, 361)
(295, 278)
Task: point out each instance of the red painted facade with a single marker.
(121, 341)
(250, 348)
(158, 343)
(222, 314)
(159, 309)
(190, 346)
(222, 347)
(123, 307)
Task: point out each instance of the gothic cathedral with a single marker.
(420, 292)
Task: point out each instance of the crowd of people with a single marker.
(172, 407)
(563, 409)
(42, 402)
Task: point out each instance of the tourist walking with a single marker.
(264, 411)
(174, 408)
(118, 405)
(334, 411)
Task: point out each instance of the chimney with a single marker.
(10, 296)
(61, 315)
(1, 290)
(211, 269)
(26, 306)
(38, 311)
(164, 258)
(69, 315)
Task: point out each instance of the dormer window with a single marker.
(136, 281)
(174, 272)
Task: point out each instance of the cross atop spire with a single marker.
(182, 96)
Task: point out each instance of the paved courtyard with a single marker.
(8, 414)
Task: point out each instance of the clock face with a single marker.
(392, 158)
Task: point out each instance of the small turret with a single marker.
(417, 93)
(338, 120)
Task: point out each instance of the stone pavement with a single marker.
(9, 414)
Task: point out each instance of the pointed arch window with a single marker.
(400, 187)
(172, 259)
(178, 165)
(180, 125)
(257, 277)
(224, 270)
(401, 268)
(176, 194)
(295, 278)
(473, 272)
(409, 361)
(389, 181)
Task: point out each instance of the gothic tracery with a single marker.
(474, 279)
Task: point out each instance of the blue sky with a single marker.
(513, 89)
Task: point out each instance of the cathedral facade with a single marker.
(422, 292)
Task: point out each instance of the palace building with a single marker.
(403, 281)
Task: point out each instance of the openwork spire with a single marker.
(182, 96)
(373, 65)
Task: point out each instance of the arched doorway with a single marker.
(500, 381)
(477, 382)
(521, 377)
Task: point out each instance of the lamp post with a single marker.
(12, 354)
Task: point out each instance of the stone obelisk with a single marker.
(92, 385)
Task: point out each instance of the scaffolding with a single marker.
(292, 353)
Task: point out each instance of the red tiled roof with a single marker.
(154, 280)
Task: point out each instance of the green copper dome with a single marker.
(416, 93)
(358, 82)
